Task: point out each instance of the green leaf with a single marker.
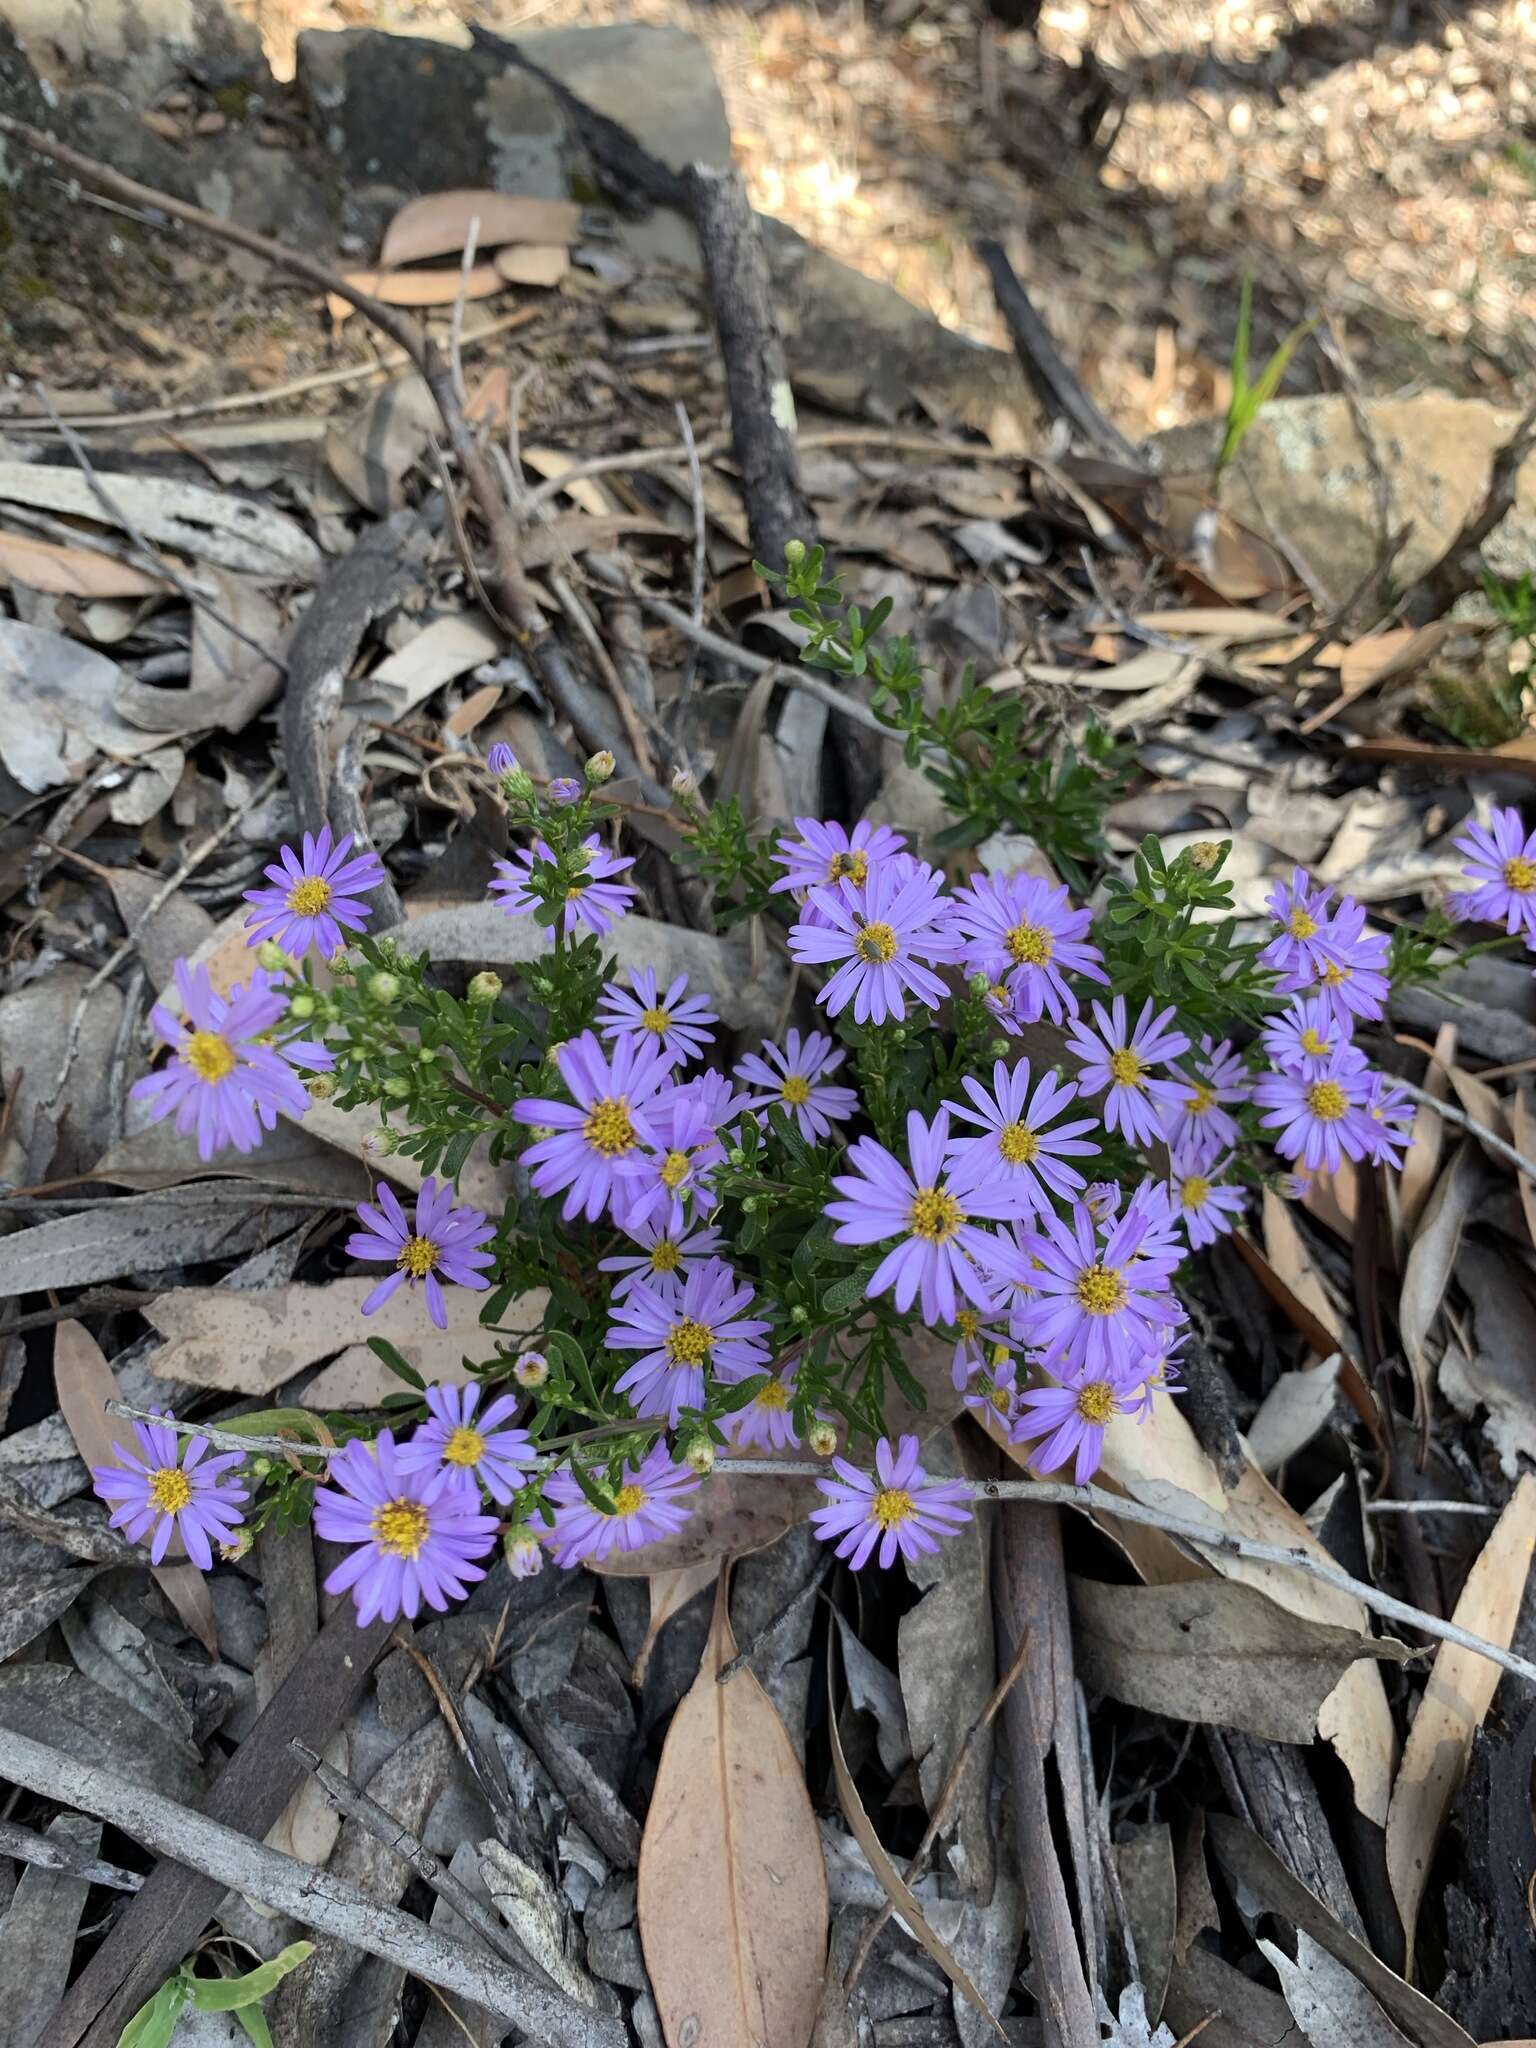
(383, 1350)
(844, 1295)
(254, 2021)
(228, 1994)
(153, 2024)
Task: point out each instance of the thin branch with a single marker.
(1454, 1115)
(48, 1853)
(221, 1439)
(700, 546)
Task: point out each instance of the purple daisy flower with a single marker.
(316, 891)
(1100, 1308)
(665, 1259)
(647, 1506)
(675, 1020)
(1121, 1060)
(993, 1395)
(1199, 1116)
(768, 1420)
(682, 1338)
(594, 899)
(1500, 872)
(971, 1345)
(444, 1243)
(1024, 935)
(227, 1081)
(794, 1078)
(1206, 1208)
(897, 1506)
(501, 760)
(1355, 981)
(173, 1489)
(1321, 1122)
(672, 1177)
(455, 1438)
(941, 1250)
(1160, 1248)
(825, 853)
(1301, 911)
(1390, 1113)
(1161, 1369)
(609, 1121)
(881, 936)
(415, 1534)
(1072, 1418)
(1308, 1038)
(1016, 1152)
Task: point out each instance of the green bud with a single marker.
(736, 1156)
(320, 1087)
(269, 954)
(383, 988)
(302, 1006)
(794, 553)
(998, 1049)
(397, 1088)
(380, 1143)
(600, 766)
(800, 1315)
(700, 1456)
(517, 786)
(821, 1438)
(685, 784)
(749, 1205)
(485, 987)
(980, 985)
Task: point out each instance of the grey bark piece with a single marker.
(211, 526)
(51, 1703)
(138, 1234)
(37, 1935)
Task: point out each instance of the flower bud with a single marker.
(980, 985)
(998, 1049)
(397, 1088)
(237, 1546)
(380, 1143)
(484, 987)
(736, 1156)
(501, 760)
(384, 988)
(600, 766)
(822, 1439)
(700, 1456)
(800, 1315)
(1204, 854)
(685, 784)
(425, 1055)
(794, 553)
(523, 1552)
(339, 962)
(270, 955)
(530, 1369)
(301, 1006)
(320, 1087)
(564, 790)
(517, 786)
(749, 1204)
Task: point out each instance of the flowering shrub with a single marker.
(737, 1250)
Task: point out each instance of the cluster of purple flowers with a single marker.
(1500, 875)
(1323, 1101)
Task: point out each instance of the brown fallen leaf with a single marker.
(1430, 1263)
(1427, 1138)
(534, 263)
(1456, 1700)
(417, 288)
(438, 224)
(71, 572)
(732, 1887)
(85, 1383)
(1377, 658)
(1483, 1106)
(1214, 1652)
(897, 1890)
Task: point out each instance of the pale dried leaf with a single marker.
(873, 1688)
(71, 572)
(732, 1891)
(1130, 2027)
(1459, 1693)
(584, 491)
(1297, 1272)
(417, 288)
(1332, 2007)
(1232, 625)
(448, 647)
(1483, 1106)
(84, 1384)
(210, 526)
(534, 263)
(525, 1900)
(371, 453)
(670, 1594)
(138, 1234)
(1523, 1123)
(1427, 1138)
(170, 933)
(231, 679)
(1150, 670)
(361, 1379)
(438, 224)
(1431, 1261)
(58, 708)
(1292, 1413)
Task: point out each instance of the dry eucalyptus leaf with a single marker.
(371, 453)
(139, 1233)
(71, 572)
(448, 647)
(534, 263)
(1215, 1653)
(732, 1890)
(232, 678)
(1426, 1140)
(670, 1594)
(58, 708)
(158, 1156)
(417, 288)
(439, 224)
(1460, 1691)
(210, 526)
(1432, 1259)
(1332, 2007)
(1297, 1407)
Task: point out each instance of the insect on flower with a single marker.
(826, 853)
(315, 892)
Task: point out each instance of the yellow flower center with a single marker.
(1327, 1101)
(1335, 977)
(608, 1129)
(1301, 924)
(574, 890)
(968, 1323)
(674, 1169)
(1096, 1402)
(998, 1396)
(629, 1500)
(464, 1447)
(1195, 1192)
(688, 1342)
(309, 898)
(1000, 1356)
(665, 1256)
(891, 1506)
(1029, 945)
(656, 1019)
(774, 1395)
(1018, 1144)
(170, 1489)
(849, 867)
(1314, 1043)
(796, 1090)
(876, 944)
(1100, 1290)
(400, 1528)
(1202, 1100)
(418, 1256)
(1520, 875)
(1125, 1068)
(210, 1055)
(934, 1216)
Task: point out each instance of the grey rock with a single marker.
(614, 1955)
(141, 46)
(272, 191)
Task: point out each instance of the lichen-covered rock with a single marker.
(1304, 477)
(140, 46)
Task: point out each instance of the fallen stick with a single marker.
(26, 1846)
(1057, 387)
(312, 1897)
